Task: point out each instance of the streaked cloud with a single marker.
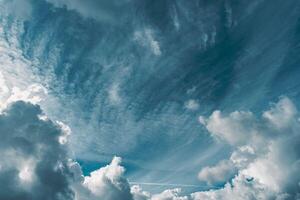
(146, 39)
(113, 94)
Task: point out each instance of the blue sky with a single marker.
(171, 87)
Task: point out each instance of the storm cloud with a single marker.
(34, 162)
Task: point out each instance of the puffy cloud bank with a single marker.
(35, 161)
(266, 153)
(264, 164)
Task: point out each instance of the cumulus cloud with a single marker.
(34, 94)
(35, 162)
(220, 173)
(139, 194)
(266, 152)
(282, 115)
(236, 128)
(108, 183)
(241, 188)
(242, 156)
(172, 194)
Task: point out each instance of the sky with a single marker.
(149, 100)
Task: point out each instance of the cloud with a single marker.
(221, 173)
(243, 156)
(146, 39)
(236, 128)
(241, 188)
(104, 11)
(108, 183)
(35, 164)
(139, 194)
(282, 115)
(17, 80)
(34, 94)
(172, 194)
(19, 8)
(113, 94)
(265, 148)
(266, 152)
(191, 104)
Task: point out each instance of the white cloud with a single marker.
(176, 19)
(35, 164)
(26, 173)
(19, 8)
(34, 94)
(237, 128)
(240, 189)
(243, 156)
(282, 114)
(172, 194)
(16, 78)
(113, 94)
(66, 130)
(267, 169)
(139, 194)
(104, 11)
(36, 154)
(191, 104)
(146, 39)
(108, 182)
(220, 173)
(265, 152)
(265, 148)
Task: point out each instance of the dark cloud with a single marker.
(34, 162)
